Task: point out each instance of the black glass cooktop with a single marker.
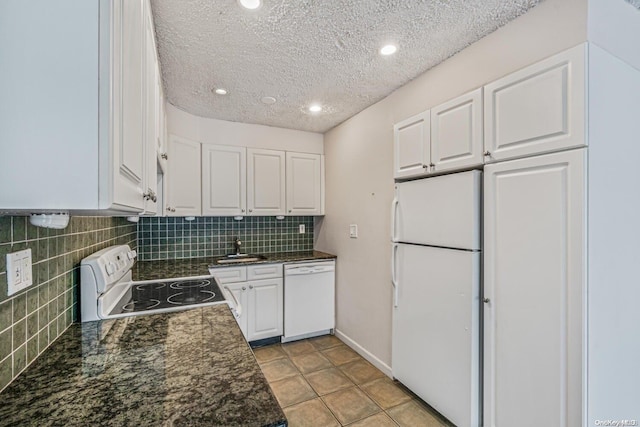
(168, 294)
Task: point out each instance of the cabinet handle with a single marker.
(289, 210)
(242, 210)
(425, 166)
(244, 288)
(487, 153)
(250, 210)
(432, 165)
(486, 300)
(250, 286)
(170, 209)
(164, 156)
(150, 195)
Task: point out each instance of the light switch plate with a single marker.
(19, 271)
(301, 229)
(353, 231)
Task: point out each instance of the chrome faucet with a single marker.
(237, 244)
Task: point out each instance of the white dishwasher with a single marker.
(309, 299)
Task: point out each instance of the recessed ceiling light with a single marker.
(250, 4)
(388, 50)
(220, 91)
(315, 108)
(268, 100)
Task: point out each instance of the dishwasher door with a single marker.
(309, 300)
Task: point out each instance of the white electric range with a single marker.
(107, 290)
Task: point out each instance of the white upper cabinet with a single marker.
(304, 184)
(265, 182)
(411, 142)
(538, 109)
(152, 118)
(183, 177)
(456, 133)
(224, 180)
(73, 81)
(129, 153)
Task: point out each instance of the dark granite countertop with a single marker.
(189, 267)
(187, 368)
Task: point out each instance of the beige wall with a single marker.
(212, 131)
(359, 178)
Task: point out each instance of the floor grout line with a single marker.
(321, 351)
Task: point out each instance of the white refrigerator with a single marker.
(436, 259)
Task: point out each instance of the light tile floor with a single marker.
(322, 382)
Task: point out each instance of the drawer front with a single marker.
(264, 271)
(229, 274)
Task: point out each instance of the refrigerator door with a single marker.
(436, 328)
(440, 211)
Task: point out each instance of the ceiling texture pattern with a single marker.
(309, 51)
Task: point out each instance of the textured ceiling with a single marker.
(309, 51)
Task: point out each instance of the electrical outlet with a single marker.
(19, 271)
(301, 229)
(353, 231)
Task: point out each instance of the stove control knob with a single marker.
(111, 268)
(131, 254)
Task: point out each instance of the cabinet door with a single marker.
(456, 133)
(411, 146)
(183, 178)
(265, 314)
(266, 182)
(130, 147)
(538, 109)
(151, 117)
(534, 283)
(241, 292)
(303, 184)
(224, 180)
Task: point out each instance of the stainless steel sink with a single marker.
(238, 258)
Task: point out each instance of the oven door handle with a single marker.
(237, 306)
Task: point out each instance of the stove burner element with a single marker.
(191, 297)
(151, 287)
(169, 294)
(140, 305)
(186, 284)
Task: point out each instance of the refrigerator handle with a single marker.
(394, 208)
(394, 281)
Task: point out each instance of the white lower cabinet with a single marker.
(261, 299)
(534, 287)
(264, 309)
(239, 291)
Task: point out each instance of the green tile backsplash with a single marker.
(33, 318)
(174, 237)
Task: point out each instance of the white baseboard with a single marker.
(386, 369)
